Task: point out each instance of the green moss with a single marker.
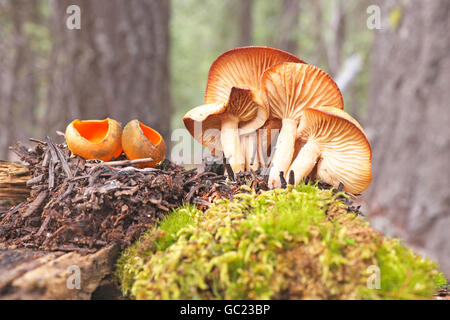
(173, 223)
(404, 275)
(296, 243)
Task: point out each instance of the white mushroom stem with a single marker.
(250, 151)
(305, 160)
(255, 165)
(231, 143)
(284, 151)
(244, 146)
(260, 152)
(254, 161)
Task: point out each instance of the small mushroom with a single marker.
(335, 145)
(204, 126)
(233, 100)
(240, 107)
(95, 139)
(140, 141)
(288, 89)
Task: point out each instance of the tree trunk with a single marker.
(409, 125)
(334, 50)
(290, 12)
(17, 87)
(115, 66)
(245, 22)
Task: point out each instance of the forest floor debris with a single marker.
(85, 205)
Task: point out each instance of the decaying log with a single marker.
(13, 188)
(29, 274)
(34, 274)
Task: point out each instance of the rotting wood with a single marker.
(46, 275)
(13, 188)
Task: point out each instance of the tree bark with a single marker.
(334, 49)
(408, 125)
(116, 66)
(245, 22)
(290, 13)
(16, 88)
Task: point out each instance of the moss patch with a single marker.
(297, 243)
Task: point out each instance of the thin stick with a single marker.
(44, 225)
(64, 163)
(51, 175)
(120, 162)
(291, 177)
(61, 134)
(35, 180)
(134, 169)
(54, 157)
(37, 141)
(35, 204)
(45, 162)
(67, 192)
(283, 180)
(228, 168)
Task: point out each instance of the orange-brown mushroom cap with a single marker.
(291, 87)
(140, 141)
(95, 139)
(204, 122)
(243, 68)
(336, 143)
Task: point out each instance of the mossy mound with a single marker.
(297, 243)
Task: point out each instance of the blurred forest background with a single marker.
(149, 59)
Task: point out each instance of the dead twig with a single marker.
(283, 180)
(35, 180)
(121, 162)
(35, 204)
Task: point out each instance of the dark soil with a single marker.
(84, 205)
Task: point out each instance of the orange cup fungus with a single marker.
(140, 142)
(95, 139)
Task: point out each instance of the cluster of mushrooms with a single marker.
(252, 92)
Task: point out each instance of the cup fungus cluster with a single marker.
(105, 140)
(95, 139)
(258, 89)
